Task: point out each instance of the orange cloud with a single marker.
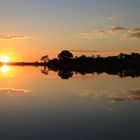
(11, 37)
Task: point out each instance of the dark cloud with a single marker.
(134, 30)
(116, 29)
(133, 35)
(11, 37)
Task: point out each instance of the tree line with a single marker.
(66, 64)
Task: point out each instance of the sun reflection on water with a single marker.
(5, 69)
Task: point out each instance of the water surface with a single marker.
(41, 106)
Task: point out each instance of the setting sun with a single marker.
(5, 59)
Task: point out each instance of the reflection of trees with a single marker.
(45, 70)
(65, 74)
(62, 73)
(126, 73)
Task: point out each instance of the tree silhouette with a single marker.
(65, 55)
(45, 58)
(122, 65)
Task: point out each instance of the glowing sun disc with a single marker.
(4, 59)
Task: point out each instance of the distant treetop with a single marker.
(65, 54)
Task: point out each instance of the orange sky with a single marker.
(30, 29)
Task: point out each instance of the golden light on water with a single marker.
(5, 59)
(5, 69)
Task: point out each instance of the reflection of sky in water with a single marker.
(102, 107)
(114, 95)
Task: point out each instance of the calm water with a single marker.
(40, 107)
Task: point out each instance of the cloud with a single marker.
(99, 32)
(86, 35)
(11, 37)
(133, 33)
(112, 18)
(13, 90)
(119, 32)
(134, 30)
(87, 51)
(116, 29)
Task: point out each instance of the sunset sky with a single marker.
(32, 28)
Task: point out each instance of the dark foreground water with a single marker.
(35, 106)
